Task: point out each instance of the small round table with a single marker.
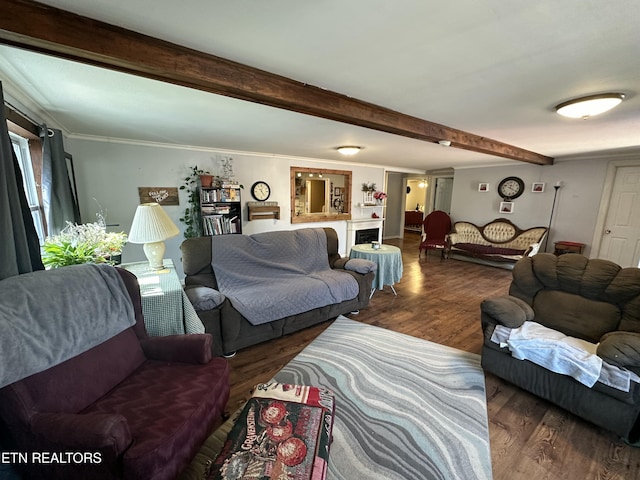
(389, 261)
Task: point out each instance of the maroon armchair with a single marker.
(132, 407)
(435, 228)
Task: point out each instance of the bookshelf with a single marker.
(221, 211)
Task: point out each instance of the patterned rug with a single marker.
(406, 408)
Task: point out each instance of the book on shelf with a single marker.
(224, 194)
(216, 210)
(219, 225)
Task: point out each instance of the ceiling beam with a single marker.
(45, 29)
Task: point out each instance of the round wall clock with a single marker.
(260, 191)
(510, 188)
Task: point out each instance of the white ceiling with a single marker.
(494, 68)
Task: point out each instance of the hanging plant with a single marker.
(191, 216)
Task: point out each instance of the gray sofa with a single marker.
(231, 330)
(593, 300)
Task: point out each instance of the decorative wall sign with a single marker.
(161, 195)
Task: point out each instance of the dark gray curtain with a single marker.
(59, 203)
(19, 245)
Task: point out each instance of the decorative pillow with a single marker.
(509, 311)
(621, 349)
(361, 265)
(203, 298)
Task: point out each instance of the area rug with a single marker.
(406, 408)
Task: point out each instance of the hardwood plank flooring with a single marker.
(439, 300)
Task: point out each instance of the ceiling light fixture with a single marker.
(349, 150)
(445, 143)
(589, 106)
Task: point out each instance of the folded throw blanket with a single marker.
(49, 316)
(562, 354)
(273, 275)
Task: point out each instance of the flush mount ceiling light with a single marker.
(445, 143)
(586, 107)
(349, 150)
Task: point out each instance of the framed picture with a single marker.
(537, 187)
(337, 191)
(483, 187)
(506, 207)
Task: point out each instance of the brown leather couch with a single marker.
(593, 300)
(231, 331)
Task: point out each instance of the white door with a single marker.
(621, 236)
(444, 190)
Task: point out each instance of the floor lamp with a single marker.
(556, 187)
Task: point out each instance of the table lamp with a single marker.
(151, 226)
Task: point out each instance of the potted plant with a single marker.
(83, 243)
(191, 216)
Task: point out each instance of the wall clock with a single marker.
(510, 188)
(260, 191)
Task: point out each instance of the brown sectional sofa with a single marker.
(231, 330)
(497, 241)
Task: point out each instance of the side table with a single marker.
(389, 261)
(166, 307)
(568, 247)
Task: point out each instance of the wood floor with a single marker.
(438, 300)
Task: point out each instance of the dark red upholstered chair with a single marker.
(435, 228)
(132, 407)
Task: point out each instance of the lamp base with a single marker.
(154, 252)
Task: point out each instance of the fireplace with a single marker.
(367, 235)
(367, 225)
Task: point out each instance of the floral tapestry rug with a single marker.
(405, 408)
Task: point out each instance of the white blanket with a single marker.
(562, 354)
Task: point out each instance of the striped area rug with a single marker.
(406, 408)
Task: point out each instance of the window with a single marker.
(21, 147)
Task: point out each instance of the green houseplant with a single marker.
(83, 243)
(191, 216)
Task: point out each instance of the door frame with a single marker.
(605, 201)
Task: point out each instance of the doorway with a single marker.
(618, 229)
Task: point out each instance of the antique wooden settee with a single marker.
(497, 241)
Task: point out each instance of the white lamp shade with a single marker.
(151, 224)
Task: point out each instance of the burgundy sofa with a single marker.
(132, 407)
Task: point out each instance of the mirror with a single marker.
(320, 195)
(317, 195)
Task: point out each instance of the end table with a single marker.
(166, 307)
(568, 247)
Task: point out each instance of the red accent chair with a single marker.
(435, 228)
(132, 407)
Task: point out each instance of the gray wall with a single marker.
(109, 174)
(576, 207)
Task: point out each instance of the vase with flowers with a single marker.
(379, 196)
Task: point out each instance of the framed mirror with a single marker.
(320, 195)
